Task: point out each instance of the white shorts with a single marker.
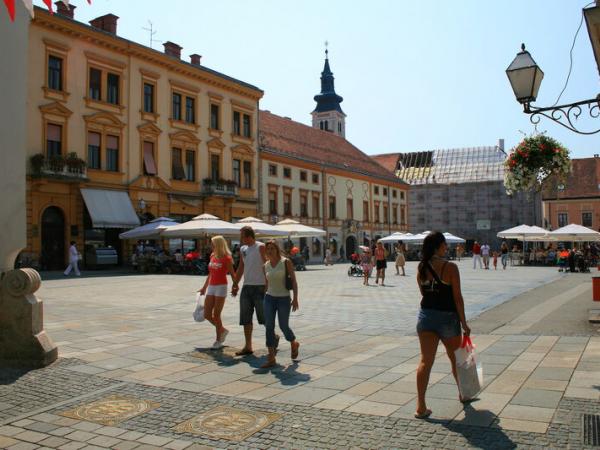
(218, 290)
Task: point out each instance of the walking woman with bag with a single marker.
(215, 287)
(281, 278)
(442, 312)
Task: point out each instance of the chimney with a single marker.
(501, 144)
(106, 23)
(195, 59)
(172, 49)
(65, 10)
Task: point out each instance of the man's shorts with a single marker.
(252, 298)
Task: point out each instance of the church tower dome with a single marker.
(328, 114)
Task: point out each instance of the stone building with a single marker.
(461, 191)
(577, 200)
(119, 132)
(315, 176)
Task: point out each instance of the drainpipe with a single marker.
(324, 203)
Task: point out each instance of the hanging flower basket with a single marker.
(532, 161)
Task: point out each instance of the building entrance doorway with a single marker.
(53, 239)
(350, 246)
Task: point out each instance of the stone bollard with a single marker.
(23, 341)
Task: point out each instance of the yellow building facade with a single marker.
(108, 116)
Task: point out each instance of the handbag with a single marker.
(469, 372)
(199, 309)
(289, 285)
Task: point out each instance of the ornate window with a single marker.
(56, 70)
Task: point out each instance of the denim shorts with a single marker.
(251, 299)
(443, 323)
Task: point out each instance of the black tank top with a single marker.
(437, 294)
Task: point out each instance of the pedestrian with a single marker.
(252, 260)
(73, 260)
(380, 262)
(442, 313)
(278, 302)
(341, 256)
(328, 261)
(485, 254)
(215, 287)
(460, 250)
(366, 265)
(306, 253)
(400, 259)
(477, 255)
(495, 255)
(504, 254)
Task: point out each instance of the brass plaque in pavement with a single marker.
(224, 422)
(111, 410)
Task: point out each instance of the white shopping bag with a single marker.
(199, 310)
(468, 371)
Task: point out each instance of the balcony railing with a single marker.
(62, 170)
(221, 189)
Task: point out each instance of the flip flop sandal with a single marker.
(424, 415)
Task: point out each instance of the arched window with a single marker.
(326, 125)
(321, 124)
(339, 127)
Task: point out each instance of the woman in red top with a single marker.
(215, 287)
(380, 262)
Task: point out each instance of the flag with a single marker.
(10, 7)
(49, 5)
(29, 5)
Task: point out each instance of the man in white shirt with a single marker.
(485, 254)
(251, 267)
(73, 260)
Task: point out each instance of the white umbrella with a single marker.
(574, 233)
(516, 232)
(260, 228)
(200, 226)
(451, 239)
(151, 230)
(394, 237)
(298, 230)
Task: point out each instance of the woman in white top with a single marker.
(278, 302)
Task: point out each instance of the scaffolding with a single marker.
(452, 166)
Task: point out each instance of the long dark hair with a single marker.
(430, 245)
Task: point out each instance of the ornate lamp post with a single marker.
(525, 77)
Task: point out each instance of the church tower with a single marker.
(328, 114)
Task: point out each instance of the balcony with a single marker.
(221, 188)
(71, 167)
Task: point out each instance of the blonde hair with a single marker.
(274, 244)
(220, 247)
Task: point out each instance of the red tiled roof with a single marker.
(293, 139)
(583, 182)
(388, 160)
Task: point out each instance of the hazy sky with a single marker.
(414, 75)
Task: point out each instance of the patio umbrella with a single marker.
(260, 228)
(296, 229)
(394, 237)
(200, 226)
(151, 230)
(451, 239)
(574, 233)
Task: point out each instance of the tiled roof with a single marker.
(286, 137)
(583, 182)
(388, 160)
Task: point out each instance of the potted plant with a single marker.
(534, 160)
(57, 163)
(37, 162)
(74, 163)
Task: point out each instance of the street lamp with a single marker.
(525, 78)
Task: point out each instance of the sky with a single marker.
(415, 75)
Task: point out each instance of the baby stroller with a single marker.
(298, 261)
(355, 270)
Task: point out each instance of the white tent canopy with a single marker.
(573, 233)
(151, 230)
(297, 229)
(200, 226)
(260, 228)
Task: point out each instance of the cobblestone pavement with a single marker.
(354, 386)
